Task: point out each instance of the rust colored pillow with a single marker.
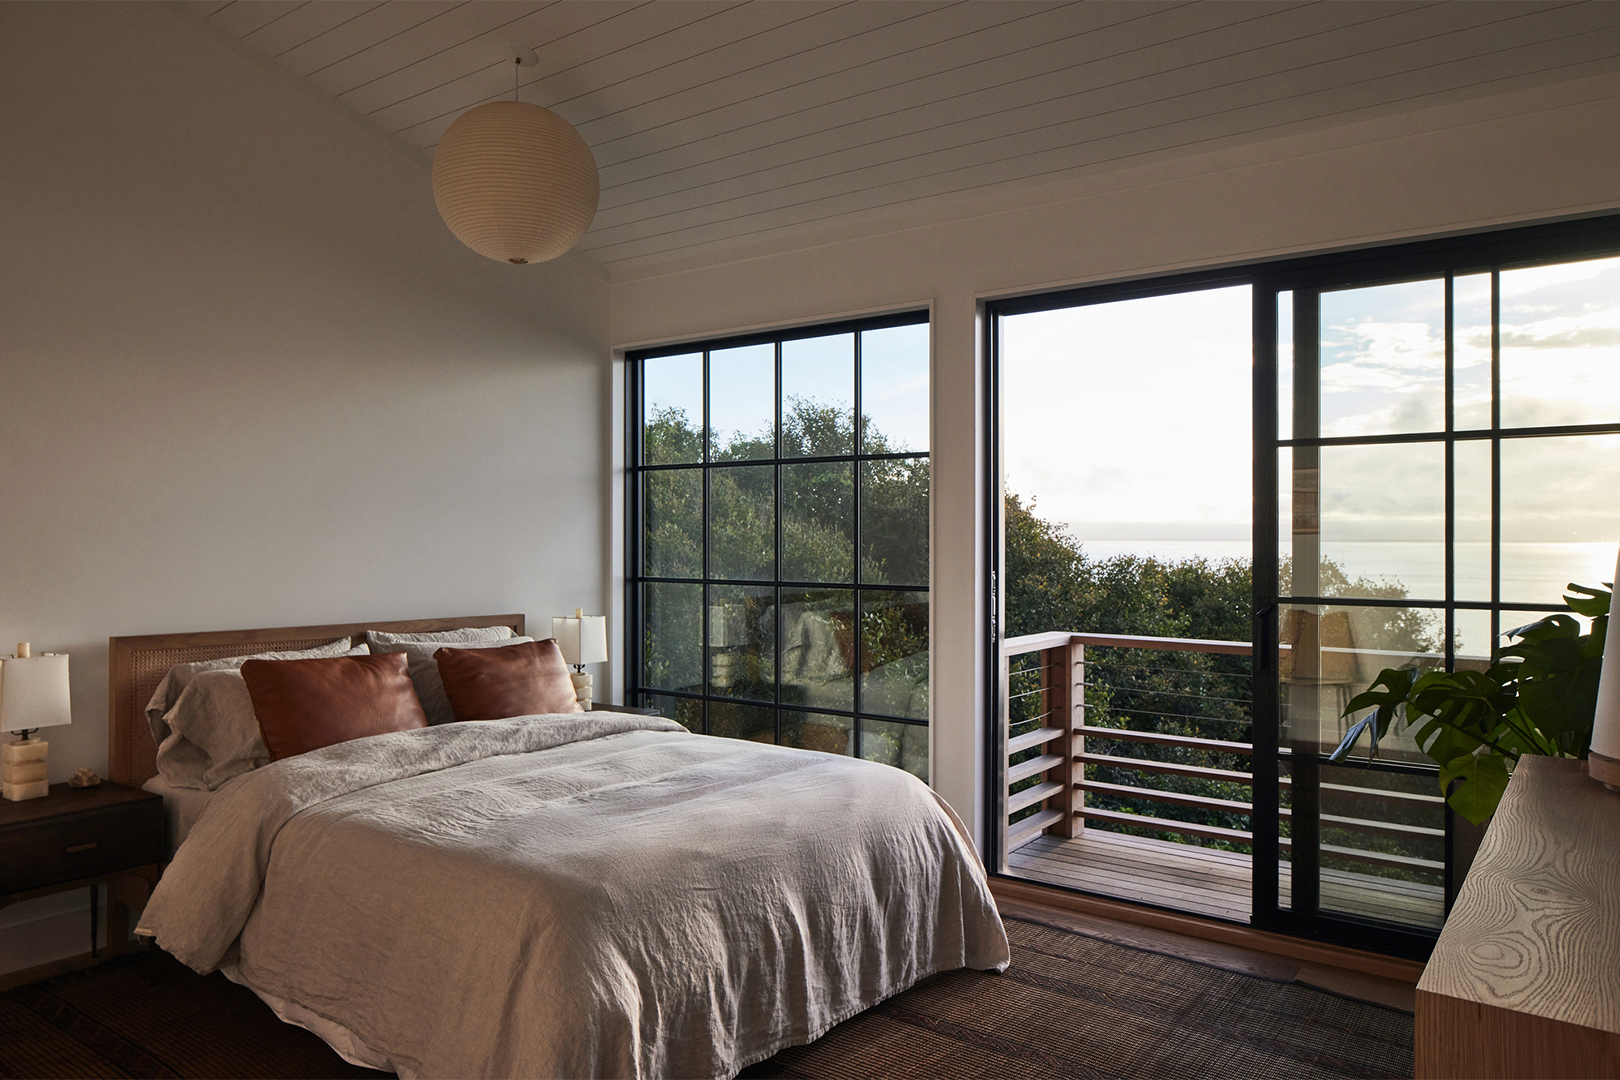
(513, 680)
(303, 705)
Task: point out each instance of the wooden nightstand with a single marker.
(78, 838)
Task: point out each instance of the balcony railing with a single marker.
(1130, 759)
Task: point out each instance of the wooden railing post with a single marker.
(1075, 725)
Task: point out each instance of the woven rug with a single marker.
(1070, 1006)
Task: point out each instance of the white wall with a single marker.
(1469, 165)
(247, 377)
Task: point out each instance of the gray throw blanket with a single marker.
(592, 894)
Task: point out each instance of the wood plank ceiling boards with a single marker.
(718, 122)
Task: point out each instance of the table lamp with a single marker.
(583, 640)
(33, 695)
(1603, 763)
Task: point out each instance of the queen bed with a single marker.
(577, 894)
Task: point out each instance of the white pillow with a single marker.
(424, 671)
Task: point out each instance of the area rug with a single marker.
(1070, 1006)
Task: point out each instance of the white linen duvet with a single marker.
(589, 894)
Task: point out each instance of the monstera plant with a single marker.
(1538, 697)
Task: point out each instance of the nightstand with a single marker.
(78, 838)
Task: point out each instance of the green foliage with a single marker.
(1539, 697)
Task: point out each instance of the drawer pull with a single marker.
(81, 847)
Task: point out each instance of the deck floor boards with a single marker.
(1206, 881)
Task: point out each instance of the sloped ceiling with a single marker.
(719, 122)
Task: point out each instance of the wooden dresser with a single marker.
(1525, 979)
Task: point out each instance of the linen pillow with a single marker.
(215, 717)
(180, 760)
(379, 639)
(425, 671)
(519, 680)
(303, 705)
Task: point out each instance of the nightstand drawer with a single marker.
(81, 845)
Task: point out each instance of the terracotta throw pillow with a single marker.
(517, 680)
(303, 705)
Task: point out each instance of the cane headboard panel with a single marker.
(137, 664)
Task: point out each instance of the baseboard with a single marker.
(1314, 952)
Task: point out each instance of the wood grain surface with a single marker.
(1536, 927)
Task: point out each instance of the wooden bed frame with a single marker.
(135, 666)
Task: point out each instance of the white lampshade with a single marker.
(515, 182)
(34, 692)
(582, 638)
(1604, 762)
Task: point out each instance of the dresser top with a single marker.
(64, 800)
(1536, 928)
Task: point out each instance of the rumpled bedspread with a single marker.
(591, 894)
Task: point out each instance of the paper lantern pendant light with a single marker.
(515, 182)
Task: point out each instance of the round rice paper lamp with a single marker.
(515, 182)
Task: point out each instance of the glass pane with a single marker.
(1473, 509)
(742, 642)
(819, 731)
(686, 711)
(1558, 515)
(894, 653)
(894, 521)
(905, 746)
(818, 522)
(818, 396)
(672, 512)
(1331, 654)
(1383, 846)
(742, 403)
(1382, 521)
(1473, 640)
(818, 648)
(1384, 359)
(756, 723)
(1285, 365)
(1288, 526)
(894, 390)
(1561, 344)
(672, 424)
(673, 646)
(1471, 352)
(742, 523)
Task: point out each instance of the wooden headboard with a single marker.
(135, 666)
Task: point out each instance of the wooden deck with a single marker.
(1204, 881)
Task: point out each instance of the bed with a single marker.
(565, 895)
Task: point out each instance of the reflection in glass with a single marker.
(894, 390)
(742, 523)
(672, 654)
(818, 396)
(1471, 352)
(1561, 344)
(742, 403)
(685, 711)
(1383, 359)
(819, 731)
(1382, 521)
(1383, 846)
(1559, 522)
(672, 510)
(672, 424)
(756, 723)
(818, 522)
(894, 521)
(905, 746)
(742, 641)
(1328, 655)
(818, 648)
(894, 653)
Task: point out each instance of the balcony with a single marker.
(1130, 775)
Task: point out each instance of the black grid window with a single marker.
(778, 537)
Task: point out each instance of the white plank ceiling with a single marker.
(717, 122)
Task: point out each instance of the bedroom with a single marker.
(251, 381)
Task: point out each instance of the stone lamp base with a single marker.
(582, 690)
(23, 768)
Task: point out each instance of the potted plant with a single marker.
(1538, 697)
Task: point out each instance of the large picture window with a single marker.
(778, 578)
